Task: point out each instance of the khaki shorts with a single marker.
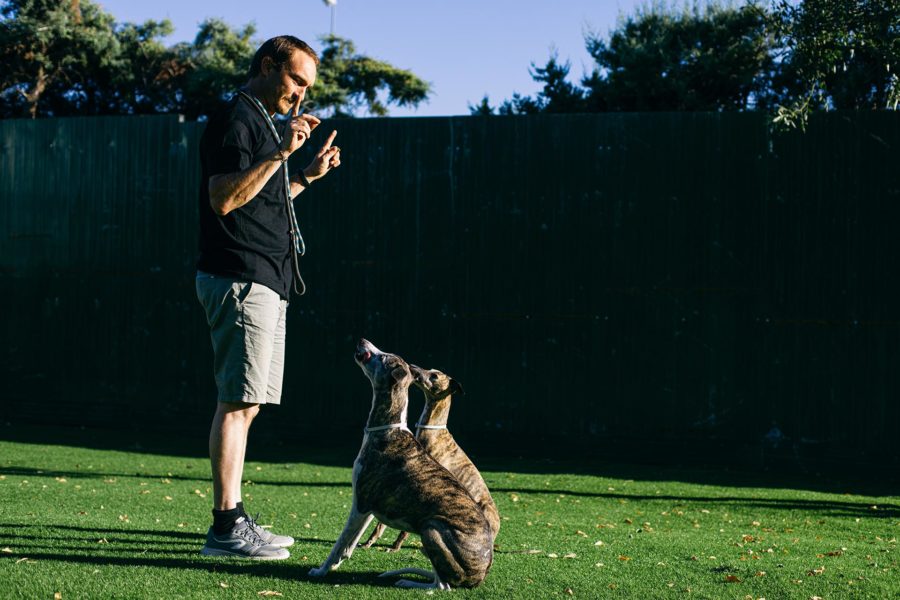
(247, 328)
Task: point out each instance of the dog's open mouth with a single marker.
(363, 356)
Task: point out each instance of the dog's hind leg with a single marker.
(399, 541)
(346, 543)
(376, 534)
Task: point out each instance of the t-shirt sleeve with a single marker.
(235, 152)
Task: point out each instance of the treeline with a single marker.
(70, 57)
(787, 57)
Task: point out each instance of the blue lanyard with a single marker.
(297, 243)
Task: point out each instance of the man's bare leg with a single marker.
(227, 448)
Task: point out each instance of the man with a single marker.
(248, 246)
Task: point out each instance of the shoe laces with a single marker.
(250, 534)
(253, 521)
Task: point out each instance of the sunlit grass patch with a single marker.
(110, 524)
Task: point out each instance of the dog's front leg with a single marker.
(346, 543)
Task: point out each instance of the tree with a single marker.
(837, 54)
(558, 95)
(206, 73)
(47, 48)
(717, 58)
(349, 82)
(69, 57)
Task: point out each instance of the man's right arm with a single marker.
(229, 191)
(233, 190)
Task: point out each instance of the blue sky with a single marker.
(464, 48)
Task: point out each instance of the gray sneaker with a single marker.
(273, 539)
(241, 542)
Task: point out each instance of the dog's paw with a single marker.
(318, 572)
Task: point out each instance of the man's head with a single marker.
(282, 70)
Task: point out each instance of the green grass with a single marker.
(90, 523)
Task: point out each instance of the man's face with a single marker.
(286, 83)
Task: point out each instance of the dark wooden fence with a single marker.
(652, 278)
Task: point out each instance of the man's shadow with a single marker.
(130, 548)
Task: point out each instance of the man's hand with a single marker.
(297, 130)
(327, 158)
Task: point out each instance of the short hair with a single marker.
(279, 49)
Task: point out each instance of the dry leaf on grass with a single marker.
(624, 558)
(570, 592)
(818, 571)
(6, 550)
(57, 596)
(732, 579)
(269, 593)
(222, 584)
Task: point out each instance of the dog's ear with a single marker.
(418, 373)
(398, 374)
(456, 388)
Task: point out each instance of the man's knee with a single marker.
(237, 411)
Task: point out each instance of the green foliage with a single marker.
(349, 82)
(50, 49)
(717, 58)
(838, 54)
(212, 68)
(69, 57)
(557, 96)
(788, 57)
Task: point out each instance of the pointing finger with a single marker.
(297, 105)
(326, 147)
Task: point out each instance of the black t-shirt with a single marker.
(251, 243)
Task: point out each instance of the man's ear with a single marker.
(456, 388)
(266, 65)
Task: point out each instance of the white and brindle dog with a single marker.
(432, 433)
(395, 480)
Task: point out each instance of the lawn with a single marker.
(83, 522)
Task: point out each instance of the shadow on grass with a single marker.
(34, 472)
(123, 549)
(850, 509)
(14, 531)
(270, 569)
(489, 454)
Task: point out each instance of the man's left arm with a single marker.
(326, 159)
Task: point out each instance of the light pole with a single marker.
(333, 5)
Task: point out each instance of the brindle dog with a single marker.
(395, 480)
(432, 433)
